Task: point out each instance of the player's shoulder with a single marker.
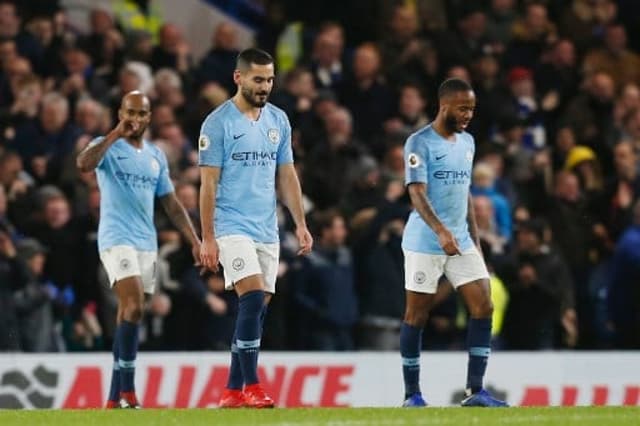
(153, 149)
(219, 114)
(276, 112)
(467, 137)
(419, 137)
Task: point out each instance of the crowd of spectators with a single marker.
(556, 182)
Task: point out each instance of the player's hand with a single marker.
(126, 128)
(305, 240)
(195, 252)
(448, 242)
(209, 253)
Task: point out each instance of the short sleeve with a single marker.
(211, 142)
(164, 186)
(95, 142)
(285, 152)
(415, 161)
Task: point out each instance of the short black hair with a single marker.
(453, 85)
(253, 55)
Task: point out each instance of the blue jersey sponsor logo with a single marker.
(255, 158)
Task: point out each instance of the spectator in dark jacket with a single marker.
(220, 61)
(35, 302)
(324, 289)
(13, 276)
(541, 298)
(624, 294)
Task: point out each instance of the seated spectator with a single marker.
(483, 183)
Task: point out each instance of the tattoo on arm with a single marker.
(90, 157)
(179, 217)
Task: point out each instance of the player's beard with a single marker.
(252, 97)
(451, 124)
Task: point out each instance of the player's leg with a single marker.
(130, 294)
(251, 298)
(121, 265)
(114, 389)
(422, 272)
(469, 275)
(239, 258)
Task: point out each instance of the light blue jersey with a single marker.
(129, 180)
(248, 152)
(445, 167)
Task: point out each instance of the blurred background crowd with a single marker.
(556, 181)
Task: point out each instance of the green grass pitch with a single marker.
(583, 416)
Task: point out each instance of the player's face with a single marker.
(137, 110)
(256, 84)
(458, 110)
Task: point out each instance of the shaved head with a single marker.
(136, 109)
(136, 97)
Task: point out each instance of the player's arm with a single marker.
(292, 198)
(209, 177)
(180, 218)
(418, 194)
(90, 157)
(473, 225)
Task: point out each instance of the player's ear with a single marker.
(237, 77)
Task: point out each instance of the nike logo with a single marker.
(121, 158)
(441, 157)
(238, 136)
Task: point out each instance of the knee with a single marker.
(482, 309)
(416, 317)
(132, 311)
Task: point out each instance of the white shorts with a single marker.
(242, 257)
(422, 270)
(122, 262)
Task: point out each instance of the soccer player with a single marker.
(243, 145)
(131, 172)
(441, 238)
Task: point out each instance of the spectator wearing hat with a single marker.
(523, 102)
(585, 163)
(541, 298)
(36, 301)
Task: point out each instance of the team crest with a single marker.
(469, 156)
(125, 264)
(203, 142)
(155, 166)
(413, 160)
(273, 135)
(237, 263)
(419, 277)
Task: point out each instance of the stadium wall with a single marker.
(322, 379)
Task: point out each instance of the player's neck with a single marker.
(135, 142)
(441, 128)
(251, 112)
